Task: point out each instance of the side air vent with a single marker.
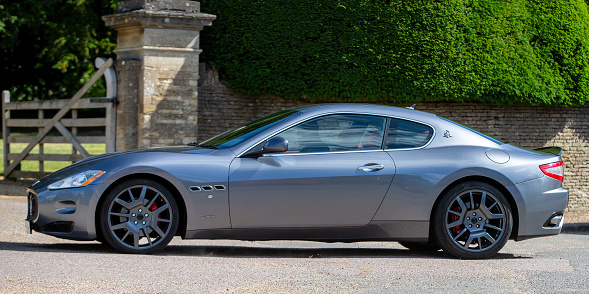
(207, 188)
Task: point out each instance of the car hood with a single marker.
(87, 162)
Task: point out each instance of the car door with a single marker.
(334, 173)
(418, 170)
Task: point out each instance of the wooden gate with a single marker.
(67, 126)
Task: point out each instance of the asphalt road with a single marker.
(42, 264)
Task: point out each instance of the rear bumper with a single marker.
(541, 203)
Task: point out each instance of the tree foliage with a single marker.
(505, 52)
(47, 48)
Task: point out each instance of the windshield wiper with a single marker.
(195, 144)
(202, 145)
(207, 146)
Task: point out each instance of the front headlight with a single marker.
(77, 180)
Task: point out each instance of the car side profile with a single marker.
(329, 172)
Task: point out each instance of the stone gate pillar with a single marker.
(157, 68)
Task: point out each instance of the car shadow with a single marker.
(244, 251)
(284, 252)
(575, 228)
(93, 247)
(281, 252)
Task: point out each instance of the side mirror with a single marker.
(275, 145)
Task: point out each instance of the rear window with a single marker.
(404, 134)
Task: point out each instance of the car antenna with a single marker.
(411, 107)
(192, 144)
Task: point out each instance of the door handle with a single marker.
(371, 167)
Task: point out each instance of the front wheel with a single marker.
(138, 216)
(473, 220)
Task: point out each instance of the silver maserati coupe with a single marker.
(331, 173)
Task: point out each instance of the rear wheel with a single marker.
(138, 216)
(473, 220)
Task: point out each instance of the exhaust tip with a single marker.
(556, 220)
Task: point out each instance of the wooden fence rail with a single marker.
(67, 127)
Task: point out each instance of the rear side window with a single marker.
(407, 134)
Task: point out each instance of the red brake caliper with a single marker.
(455, 218)
(153, 208)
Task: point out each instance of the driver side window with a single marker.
(338, 132)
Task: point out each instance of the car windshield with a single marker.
(235, 136)
(488, 137)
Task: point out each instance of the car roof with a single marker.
(401, 112)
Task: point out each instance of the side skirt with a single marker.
(416, 231)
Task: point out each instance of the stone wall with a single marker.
(220, 109)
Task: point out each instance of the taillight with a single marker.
(554, 170)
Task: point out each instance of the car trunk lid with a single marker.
(552, 150)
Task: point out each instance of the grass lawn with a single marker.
(50, 166)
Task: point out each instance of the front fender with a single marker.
(205, 209)
(121, 175)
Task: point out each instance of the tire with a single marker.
(420, 247)
(473, 220)
(138, 216)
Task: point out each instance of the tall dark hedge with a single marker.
(504, 52)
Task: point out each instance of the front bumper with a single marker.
(62, 213)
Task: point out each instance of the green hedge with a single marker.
(533, 52)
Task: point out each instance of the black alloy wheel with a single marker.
(138, 216)
(473, 220)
